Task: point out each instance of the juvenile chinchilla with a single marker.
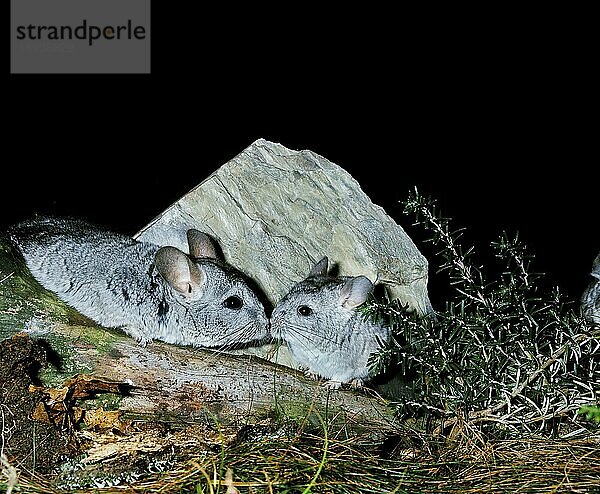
(324, 331)
(150, 292)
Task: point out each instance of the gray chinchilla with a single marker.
(149, 292)
(590, 299)
(324, 331)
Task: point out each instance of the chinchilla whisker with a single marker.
(239, 336)
(304, 344)
(236, 335)
(307, 333)
(301, 335)
(308, 349)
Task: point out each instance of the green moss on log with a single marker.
(26, 306)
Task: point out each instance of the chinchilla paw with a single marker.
(143, 342)
(357, 383)
(138, 335)
(331, 384)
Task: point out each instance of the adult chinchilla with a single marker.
(150, 292)
(325, 333)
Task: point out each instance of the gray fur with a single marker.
(590, 299)
(150, 292)
(334, 341)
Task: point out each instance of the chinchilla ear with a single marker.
(355, 291)
(320, 268)
(201, 245)
(179, 271)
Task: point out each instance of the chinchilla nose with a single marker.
(276, 322)
(277, 316)
(263, 321)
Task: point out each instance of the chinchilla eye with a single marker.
(304, 310)
(234, 302)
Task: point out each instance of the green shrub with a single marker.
(502, 352)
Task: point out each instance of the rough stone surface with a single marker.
(276, 212)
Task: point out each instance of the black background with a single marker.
(492, 114)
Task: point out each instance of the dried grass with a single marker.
(318, 463)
